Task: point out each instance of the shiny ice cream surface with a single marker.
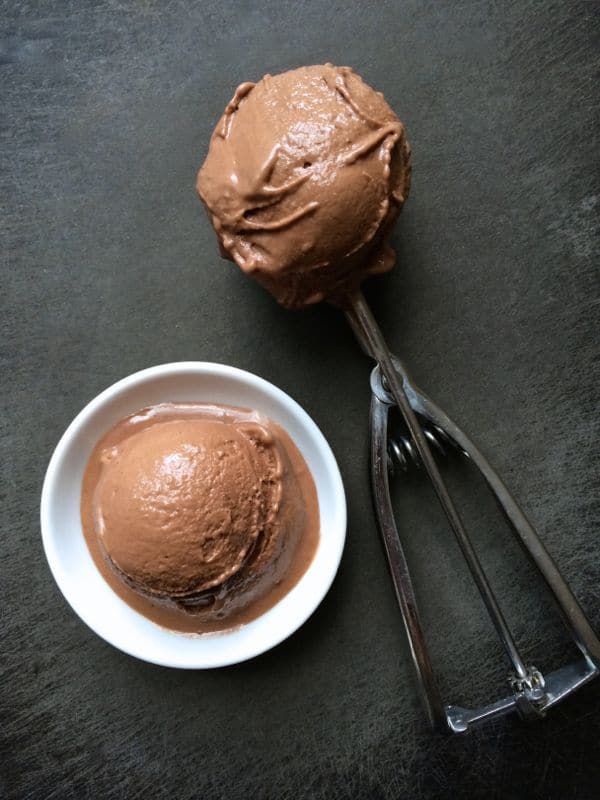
(199, 516)
(181, 504)
(305, 175)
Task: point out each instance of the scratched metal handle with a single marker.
(532, 693)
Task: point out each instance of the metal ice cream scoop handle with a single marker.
(532, 693)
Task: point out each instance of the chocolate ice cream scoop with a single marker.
(305, 175)
(180, 505)
(199, 516)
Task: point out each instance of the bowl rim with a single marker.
(214, 369)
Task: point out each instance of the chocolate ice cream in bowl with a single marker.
(193, 515)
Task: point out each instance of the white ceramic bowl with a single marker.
(72, 565)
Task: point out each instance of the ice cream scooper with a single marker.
(532, 693)
(305, 176)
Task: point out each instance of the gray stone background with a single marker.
(109, 266)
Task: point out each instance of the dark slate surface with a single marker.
(108, 266)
